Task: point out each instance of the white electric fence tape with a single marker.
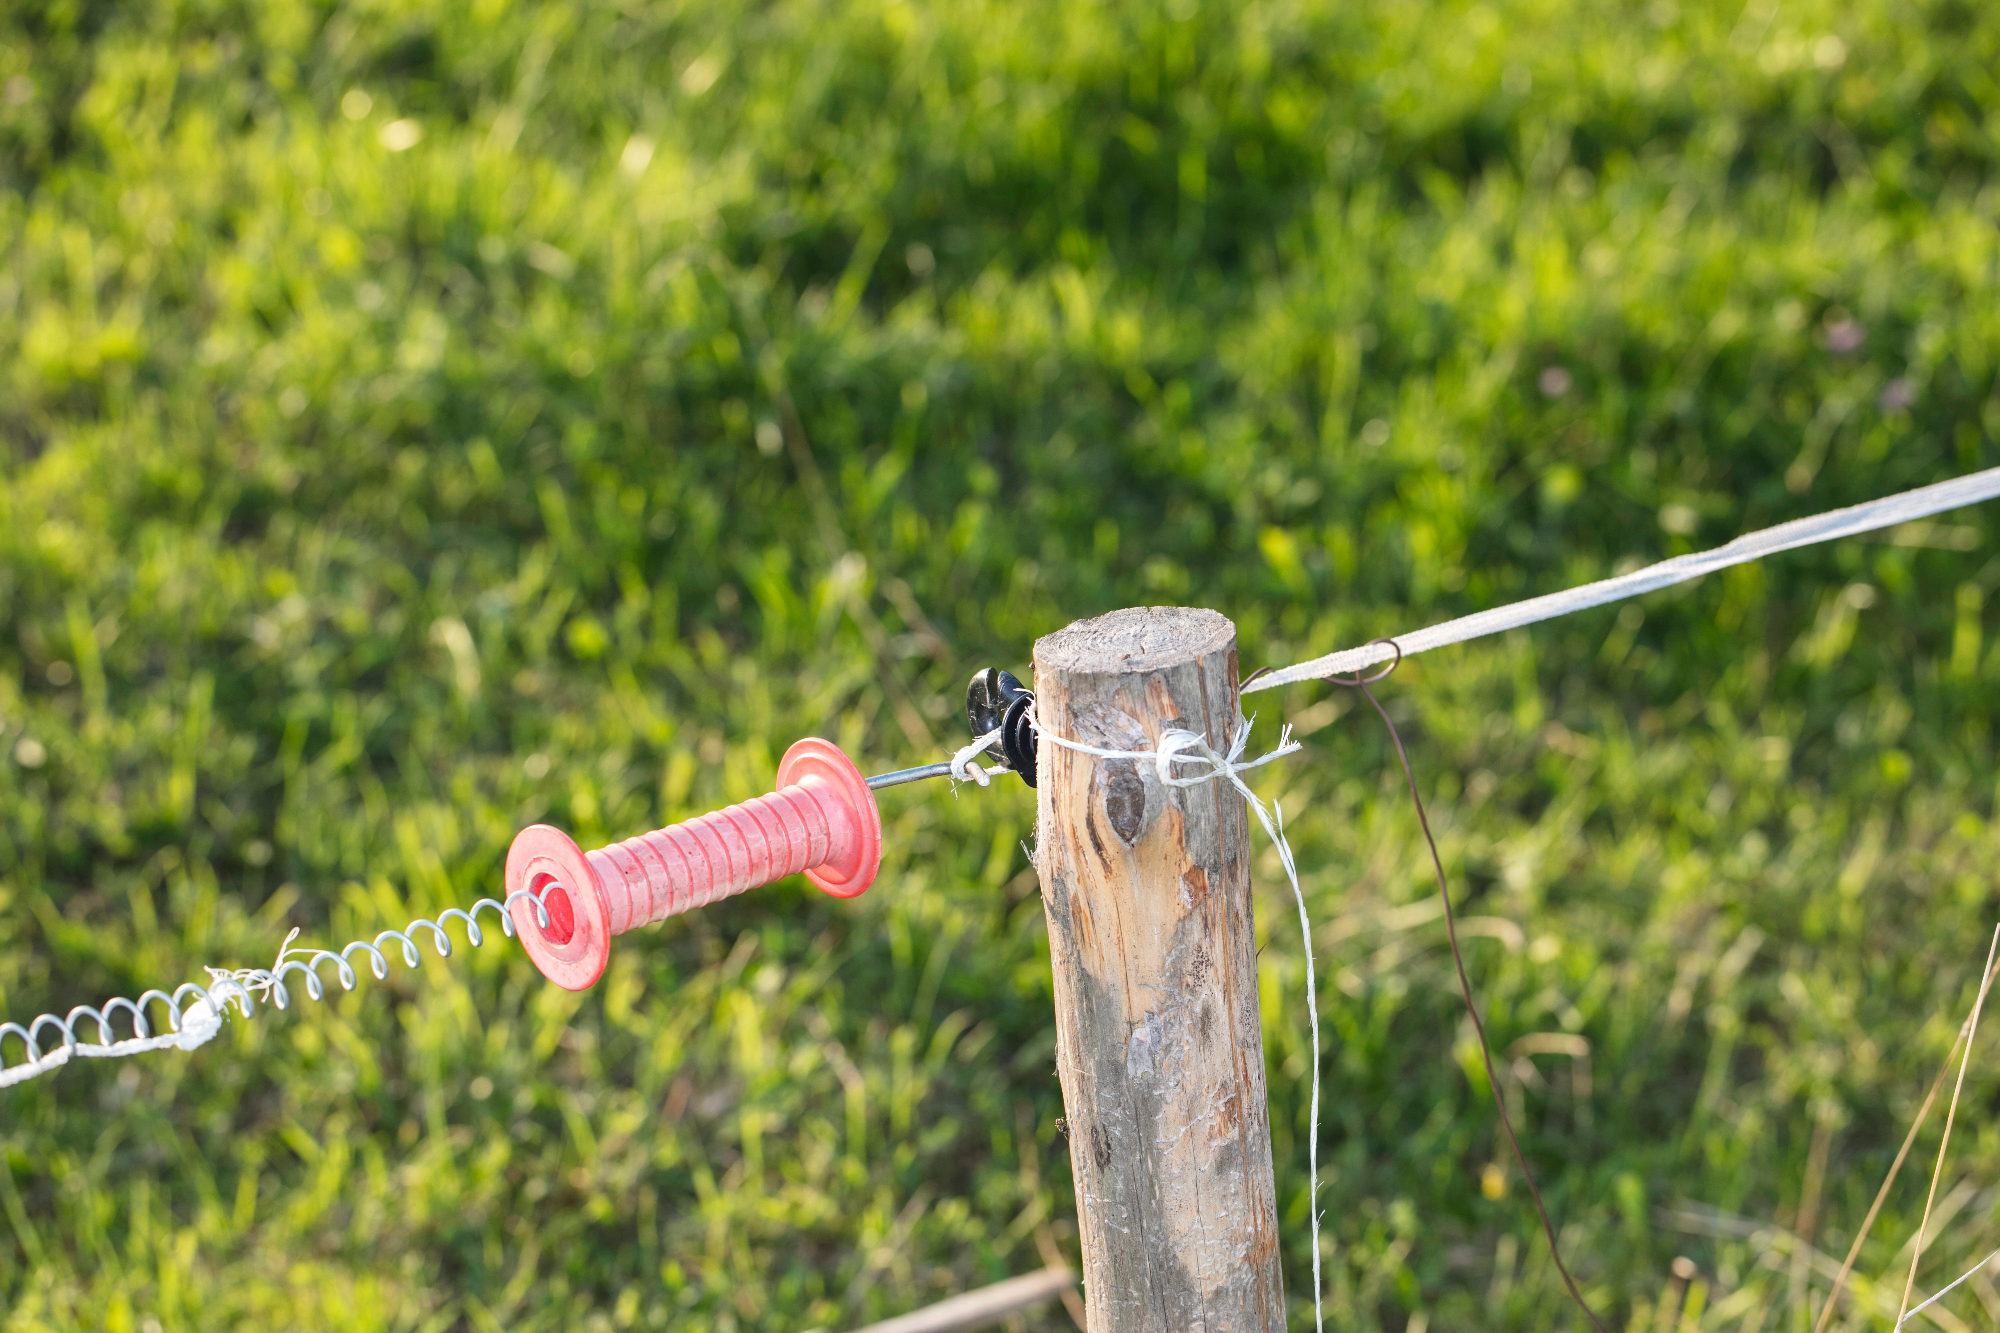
(1849, 522)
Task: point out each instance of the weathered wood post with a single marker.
(1158, 1041)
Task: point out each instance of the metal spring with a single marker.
(142, 1038)
(195, 1012)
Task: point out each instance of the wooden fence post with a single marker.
(1158, 1040)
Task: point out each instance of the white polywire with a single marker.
(1187, 747)
(193, 1024)
(1849, 522)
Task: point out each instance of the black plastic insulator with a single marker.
(1017, 736)
(987, 697)
(996, 699)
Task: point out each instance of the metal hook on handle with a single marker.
(822, 820)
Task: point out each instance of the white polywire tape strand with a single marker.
(1884, 513)
(1187, 747)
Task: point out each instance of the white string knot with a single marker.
(1175, 746)
(962, 767)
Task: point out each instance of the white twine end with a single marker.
(963, 769)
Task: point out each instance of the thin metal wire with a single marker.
(195, 1012)
(959, 768)
(902, 775)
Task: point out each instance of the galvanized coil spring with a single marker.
(195, 1012)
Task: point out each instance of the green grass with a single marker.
(418, 421)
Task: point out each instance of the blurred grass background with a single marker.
(419, 420)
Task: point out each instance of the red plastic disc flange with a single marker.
(573, 949)
(854, 821)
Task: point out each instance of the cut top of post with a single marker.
(1136, 639)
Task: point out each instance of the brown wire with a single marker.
(1360, 682)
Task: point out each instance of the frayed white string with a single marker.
(1177, 746)
(962, 767)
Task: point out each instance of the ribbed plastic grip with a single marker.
(821, 821)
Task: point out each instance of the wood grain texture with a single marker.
(1159, 1045)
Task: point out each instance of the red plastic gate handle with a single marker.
(821, 820)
